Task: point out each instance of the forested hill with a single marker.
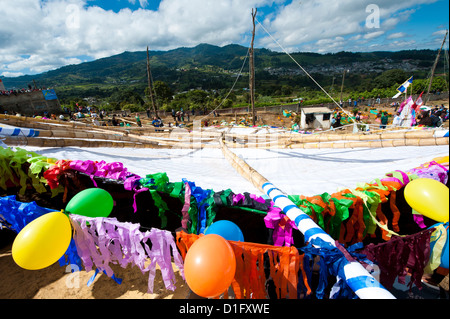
(210, 67)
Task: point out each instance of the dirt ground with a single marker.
(55, 283)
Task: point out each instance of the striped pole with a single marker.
(359, 280)
(6, 131)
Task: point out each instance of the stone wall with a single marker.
(28, 104)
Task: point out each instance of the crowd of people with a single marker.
(429, 117)
(19, 91)
(434, 117)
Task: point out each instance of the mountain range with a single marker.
(211, 67)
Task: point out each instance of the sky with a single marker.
(41, 35)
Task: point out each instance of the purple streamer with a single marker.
(282, 234)
(186, 206)
(104, 241)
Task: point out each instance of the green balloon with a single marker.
(92, 202)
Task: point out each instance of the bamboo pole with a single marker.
(373, 144)
(150, 85)
(252, 69)
(362, 283)
(339, 145)
(64, 142)
(340, 137)
(200, 139)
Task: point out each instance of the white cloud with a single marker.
(439, 33)
(39, 35)
(396, 35)
(301, 23)
(11, 74)
(41, 63)
(61, 28)
(373, 35)
(143, 3)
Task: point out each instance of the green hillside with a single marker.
(211, 68)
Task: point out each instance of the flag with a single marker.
(402, 106)
(402, 89)
(418, 102)
(406, 113)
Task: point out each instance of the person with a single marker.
(426, 119)
(138, 120)
(397, 119)
(436, 119)
(436, 110)
(156, 123)
(384, 120)
(441, 119)
(338, 119)
(114, 121)
(444, 115)
(358, 116)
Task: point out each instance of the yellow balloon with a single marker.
(43, 241)
(429, 198)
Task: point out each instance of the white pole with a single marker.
(359, 280)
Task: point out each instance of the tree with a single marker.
(127, 96)
(163, 91)
(197, 97)
(391, 77)
(287, 90)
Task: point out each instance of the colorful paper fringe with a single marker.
(104, 241)
(348, 216)
(250, 279)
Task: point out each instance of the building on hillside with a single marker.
(29, 103)
(2, 86)
(315, 117)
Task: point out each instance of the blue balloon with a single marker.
(226, 229)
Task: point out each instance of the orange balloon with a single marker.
(210, 266)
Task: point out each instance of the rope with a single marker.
(285, 51)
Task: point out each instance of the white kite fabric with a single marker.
(305, 172)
